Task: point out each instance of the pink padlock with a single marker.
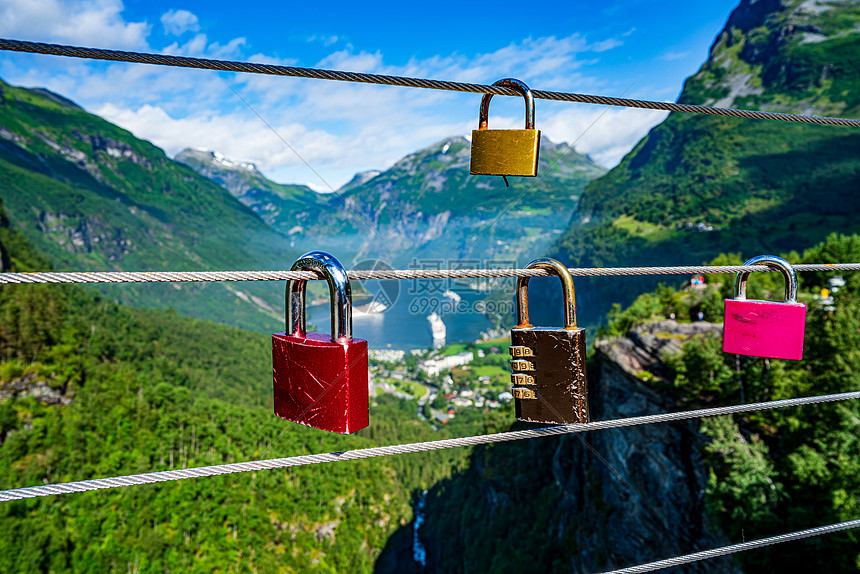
(765, 328)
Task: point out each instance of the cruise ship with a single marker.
(437, 328)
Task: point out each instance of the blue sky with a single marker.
(642, 49)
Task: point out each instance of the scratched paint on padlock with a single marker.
(321, 383)
(764, 328)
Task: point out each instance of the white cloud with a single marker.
(93, 23)
(242, 136)
(605, 134)
(669, 56)
(338, 128)
(346, 60)
(231, 134)
(324, 40)
(606, 45)
(177, 22)
(199, 46)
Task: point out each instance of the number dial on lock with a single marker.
(550, 386)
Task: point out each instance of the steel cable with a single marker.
(217, 470)
(321, 74)
(136, 277)
(384, 274)
(726, 550)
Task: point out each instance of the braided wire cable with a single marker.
(217, 470)
(322, 74)
(726, 550)
(383, 274)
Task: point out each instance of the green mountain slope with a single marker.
(282, 206)
(436, 180)
(93, 197)
(616, 498)
(89, 388)
(696, 186)
(424, 206)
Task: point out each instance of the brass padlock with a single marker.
(506, 152)
(548, 364)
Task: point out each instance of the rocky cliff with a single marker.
(583, 503)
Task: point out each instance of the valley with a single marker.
(424, 207)
(123, 379)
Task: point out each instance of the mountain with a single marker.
(424, 206)
(699, 185)
(91, 196)
(91, 389)
(359, 179)
(428, 204)
(578, 503)
(436, 180)
(618, 497)
(287, 208)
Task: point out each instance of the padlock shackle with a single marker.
(776, 263)
(338, 287)
(568, 294)
(521, 87)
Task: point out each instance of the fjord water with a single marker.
(404, 325)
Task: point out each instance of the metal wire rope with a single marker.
(217, 470)
(115, 277)
(726, 550)
(383, 274)
(322, 74)
(167, 60)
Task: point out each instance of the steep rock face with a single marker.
(778, 54)
(40, 388)
(660, 511)
(645, 347)
(583, 503)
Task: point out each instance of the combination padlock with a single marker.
(321, 381)
(765, 328)
(506, 152)
(548, 364)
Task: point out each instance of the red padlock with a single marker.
(765, 328)
(321, 381)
